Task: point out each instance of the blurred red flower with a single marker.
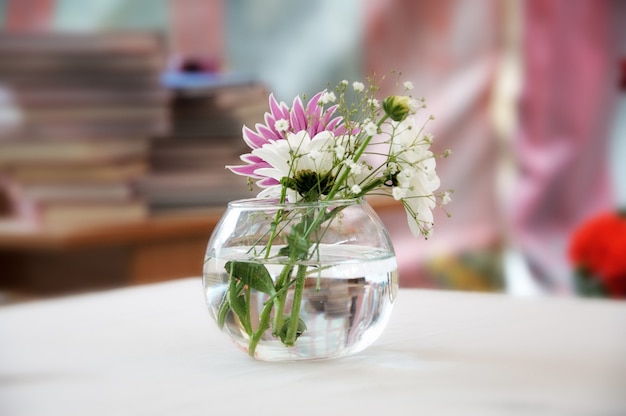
(598, 251)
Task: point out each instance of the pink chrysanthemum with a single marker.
(313, 119)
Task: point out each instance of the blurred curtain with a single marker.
(197, 30)
(450, 50)
(29, 15)
(569, 90)
(555, 148)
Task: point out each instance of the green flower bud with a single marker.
(397, 107)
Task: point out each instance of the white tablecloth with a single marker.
(153, 350)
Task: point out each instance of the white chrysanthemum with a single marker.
(405, 176)
(315, 155)
(296, 153)
(416, 164)
(398, 193)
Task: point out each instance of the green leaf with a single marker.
(238, 303)
(254, 275)
(298, 244)
(588, 285)
(283, 331)
(223, 311)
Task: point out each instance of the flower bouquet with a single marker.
(598, 252)
(309, 246)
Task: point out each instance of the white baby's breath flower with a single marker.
(428, 138)
(281, 125)
(373, 102)
(344, 82)
(348, 141)
(414, 105)
(417, 175)
(446, 198)
(328, 97)
(370, 128)
(356, 189)
(355, 168)
(340, 151)
(358, 86)
(408, 85)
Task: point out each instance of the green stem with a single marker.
(264, 319)
(279, 301)
(357, 155)
(263, 325)
(294, 318)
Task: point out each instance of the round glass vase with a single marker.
(300, 281)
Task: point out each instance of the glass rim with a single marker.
(272, 203)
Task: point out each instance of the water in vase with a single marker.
(346, 303)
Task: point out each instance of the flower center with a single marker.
(309, 184)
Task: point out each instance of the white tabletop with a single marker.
(154, 350)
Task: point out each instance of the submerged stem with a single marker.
(292, 329)
(263, 325)
(279, 300)
(311, 223)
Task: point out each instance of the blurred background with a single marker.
(118, 116)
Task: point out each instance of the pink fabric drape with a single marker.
(569, 83)
(197, 31)
(449, 50)
(28, 15)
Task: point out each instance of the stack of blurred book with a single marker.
(79, 115)
(188, 166)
